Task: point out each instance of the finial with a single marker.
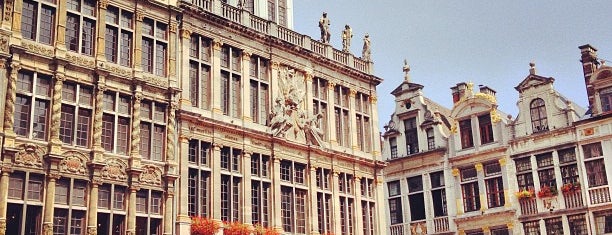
(406, 70)
(532, 69)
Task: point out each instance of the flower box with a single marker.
(261, 230)
(570, 188)
(547, 191)
(204, 226)
(236, 228)
(525, 194)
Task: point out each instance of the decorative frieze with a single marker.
(155, 81)
(74, 162)
(30, 155)
(38, 49)
(81, 60)
(115, 169)
(150, 175)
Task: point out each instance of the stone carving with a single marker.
(366, 53)
(56, 106)
(170, 135)
(288, 117)
(150, 175)
(92, 231)
(418, 228)
(495, 117)
(156, 81)
(116, 69)
(8, 10)
(11, 95)
(38, 49)
(347, 35)
(97, 134)
(136, 123)
(47, 228)
(324, 26)
(81, 60)
(30, 155)
(114, 170)
(2, 226)
(4, 44)
(73, 162)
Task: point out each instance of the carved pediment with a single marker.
(150, 175)
(115, 169)
(74, 162)
(30, 155)
(533, 81)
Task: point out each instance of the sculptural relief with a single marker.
(114, 170)
(73, 162)
(30, 155)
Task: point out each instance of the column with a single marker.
(428, 199)
(9, 106)
(97, 133)
(246, 87)
(172, 47)
(135, 133)
(247, 210)
(185, 83)
(559, 201)
(358, 210)
(60, 34)
(506, 181)
(183, 220)
(336, 203)
(56, 113)
(457, 186)
(481, 187)
(49, 200)
(4, 183)
(216, 77)
(215, 178)
(137, 39)
(168, 212)
(380, 212)
(3, 84)
(308, 96)
(486, 230)
(92, 211)
(375, 128)
(331, 114)
(314, 218)
(353, 120)
(100, 56)
(276, 221)
(131, 216)
(16, 26)
(171, 136)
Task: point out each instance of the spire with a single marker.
(406, 70)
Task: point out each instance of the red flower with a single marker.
(235, 228)
(204, 226)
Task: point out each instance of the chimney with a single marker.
(588, 57)
(458, 91)
(487, 90)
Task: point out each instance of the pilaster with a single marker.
(185, 82)
(247, 210)
(376, 151)
(216, 77)
(97, 133)
(3, 84)
(7, 16)
(276, 222)
(183, 221)
(92, 210)
(135, 133)
(353, 120)
(171, 134)
(331, 123)
(49, 200)
(137, 39)
(101, 26)
(168, 208)
(457, 184)
(380, 214)
(172, 47)
(358, 210)
(314, 219)
(481, 187)
(4, 184)
(215, 176)
(506, 181)
(56, 113)
(60, 33)
(131, 217)
(16, 20)
(246, 87)
(336, 203)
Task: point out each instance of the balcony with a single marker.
(397, 229)
(441, 225)
(271, 29)
(599, 195)
(528, 206)
(573, 199)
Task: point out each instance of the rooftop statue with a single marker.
(366, 53)
(347, 35)
(324, 26)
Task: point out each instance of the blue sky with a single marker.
(485, 42)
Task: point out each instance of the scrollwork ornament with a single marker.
(186, 33)
(92, 231)
(48, 228)
(103, 4)
(8, 10)
(2, 226)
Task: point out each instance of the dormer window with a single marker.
(486, 129)
(393, 147)
(465, 129)
(605, 95)
(539, 121)
(431, 142)
(412, 137)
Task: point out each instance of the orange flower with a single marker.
(204, 226)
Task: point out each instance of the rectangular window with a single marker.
(546, 171)
(75, 114)
(578, 224)
(438, 194)
(596, 175)
(469, 189)
(416, 199)
(395, 210)
(259, 90)
(38, 21)
(494, 185)
(486, 129)
(118, 36)
(230, 204)
(605, 95)
(531, 228)
(465, 130)
(554, 225)
(154, 47)
(393, 147)
(412, 137)
(431, 142)
(80, 27)
(32, 105)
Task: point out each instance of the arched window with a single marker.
(605, 95)
(539, 122)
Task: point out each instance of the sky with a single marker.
(480, 41)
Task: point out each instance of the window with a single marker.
(25, 208)
(111, 209)
(260, 107)
(293, 172)
(367, 214)
(76, 113)
(230, 159)
(260, 189)
(152, 130)
(539, 120)
(524, 176)
(495, 185)
(431, 141)
(32, 105)
(395, 202)
(319, 102)
(119, 34)
(605, 95)
(199, 72)
(323, 176)
(324, 200)
(594, 161)
(231, 81)
(341, 99)
(438, 194)
(577, 224)
(347, 214)
(282, 12)
(469, 189)
(554, 225)
(603, 223)
(260, 165)
(546, 170)
(569, 168)
(293, 209)
(345, 182)
(465, 129)
(38, 21)
(149, 212)
(592, 150)
(198, 181)
(394, 188)
(364, 129)
(500, 231)
(412, 137)
(116, 122)
(393, 147)
(531, 228)
(230, 197)
(154, 47)
(249, 5)
(272, 10)
(416, 199)
(81, 26)
(486, 129)
(70, 206)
